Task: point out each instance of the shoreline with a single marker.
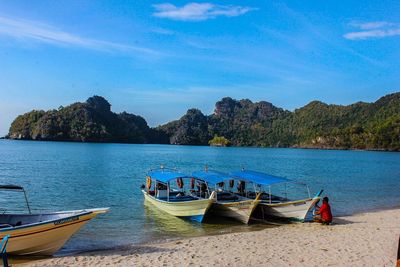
(369, 238)
(269, 147)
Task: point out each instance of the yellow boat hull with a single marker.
(192, 210)
(46, 238)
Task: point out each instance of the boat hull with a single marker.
(194, 210)
(46, 238)
(239, 210)
(293, 211)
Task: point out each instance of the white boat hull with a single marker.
(46, 238)
(193, 210)
(238, 210)
(293, 210)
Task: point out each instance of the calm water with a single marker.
(64, 176)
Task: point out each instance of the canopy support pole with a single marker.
(208, 190)
(286, 191)
(270, 195)
(27, 202)
(308, 190)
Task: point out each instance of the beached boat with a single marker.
(178, 194)
(273, 205)
(228, 202)
(41, 233)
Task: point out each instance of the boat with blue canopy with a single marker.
(274, 191)
(230, 201)
(178, 194)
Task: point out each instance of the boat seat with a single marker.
(265, 196)
(4, 225)
(226, 196)
(202, 194)
(178, 199)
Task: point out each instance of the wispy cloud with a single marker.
(198, 11)
(317, 38)
(370, 25)
(41, 32)
(191, 94)
(162, 31)
(374, 29)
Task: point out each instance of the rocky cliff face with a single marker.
(316, 125)
(91, 121)
(242, 123)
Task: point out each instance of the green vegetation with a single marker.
(91, 121)
(244, 123)
(191, 129)
(316, 125)
(219, 141)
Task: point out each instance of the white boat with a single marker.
(274, 206)
(228, 203)
(165, 189)
(42, 233)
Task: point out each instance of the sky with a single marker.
(159, 58)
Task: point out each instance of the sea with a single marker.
(67, 176)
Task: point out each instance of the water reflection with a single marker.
(166, 225)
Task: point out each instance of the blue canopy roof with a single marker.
(259, 177)
(166, 175)
(213, 177)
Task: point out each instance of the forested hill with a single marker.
(91, 121)
(316, 125)
(239, 123)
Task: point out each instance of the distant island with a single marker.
(372, 126)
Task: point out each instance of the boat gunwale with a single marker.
(13, 228)
(250, 201)
(49, 229)
(176, 202)
(289, 202)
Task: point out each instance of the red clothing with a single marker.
(326, 214)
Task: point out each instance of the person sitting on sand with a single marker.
(324, 211)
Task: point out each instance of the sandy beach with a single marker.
(367, 239)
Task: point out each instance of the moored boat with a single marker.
(41, 233)
(228, 203)
(165, 189)
(277, 206)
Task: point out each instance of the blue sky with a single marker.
(157, 59)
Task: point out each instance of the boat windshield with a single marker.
(15, 188)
